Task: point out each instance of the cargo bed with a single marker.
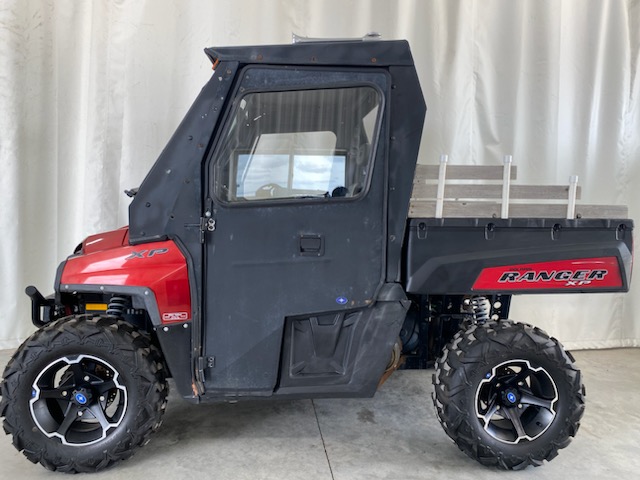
(466, 237)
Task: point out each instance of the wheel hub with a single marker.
(82, 397)
(510, 397)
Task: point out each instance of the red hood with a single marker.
(106, 241)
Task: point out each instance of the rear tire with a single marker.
(508, 395)
(83, 393)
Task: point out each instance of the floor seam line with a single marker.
(324, 446)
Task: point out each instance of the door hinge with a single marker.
(207, 224)
(202, 363)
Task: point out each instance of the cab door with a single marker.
(296, 192)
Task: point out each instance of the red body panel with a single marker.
(106, 240)
(107, 259)
(578, 274)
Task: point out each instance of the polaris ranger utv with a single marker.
(274, 251)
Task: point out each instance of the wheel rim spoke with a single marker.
(56, 393)
(528, 399)
(104, 387)
(493, 408)
(519, 377)
(513, 415)
(98, 413)
(78, 373)
(71, 415)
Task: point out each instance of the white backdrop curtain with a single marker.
(90, 92)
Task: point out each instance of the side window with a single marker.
(299, 144)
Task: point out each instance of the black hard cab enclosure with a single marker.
(275, 250)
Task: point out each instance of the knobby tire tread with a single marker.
(479, 346)
(120, 338)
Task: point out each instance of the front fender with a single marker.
(155, 273)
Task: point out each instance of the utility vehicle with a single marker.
(274, 251)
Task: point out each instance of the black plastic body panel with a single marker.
(175, 342)
(446, 256)
(169, 203)
(340, 355)
(407, 119)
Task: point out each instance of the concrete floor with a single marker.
(394, 435)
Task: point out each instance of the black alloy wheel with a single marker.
(78, 399)
(516, 401)
(83, 393)
(507, 394)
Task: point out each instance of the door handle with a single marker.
(312, 245)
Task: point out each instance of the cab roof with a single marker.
(367, 53)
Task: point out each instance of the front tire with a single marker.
(508, 395)
(83, 393)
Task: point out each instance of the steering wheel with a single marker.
(268, 190)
